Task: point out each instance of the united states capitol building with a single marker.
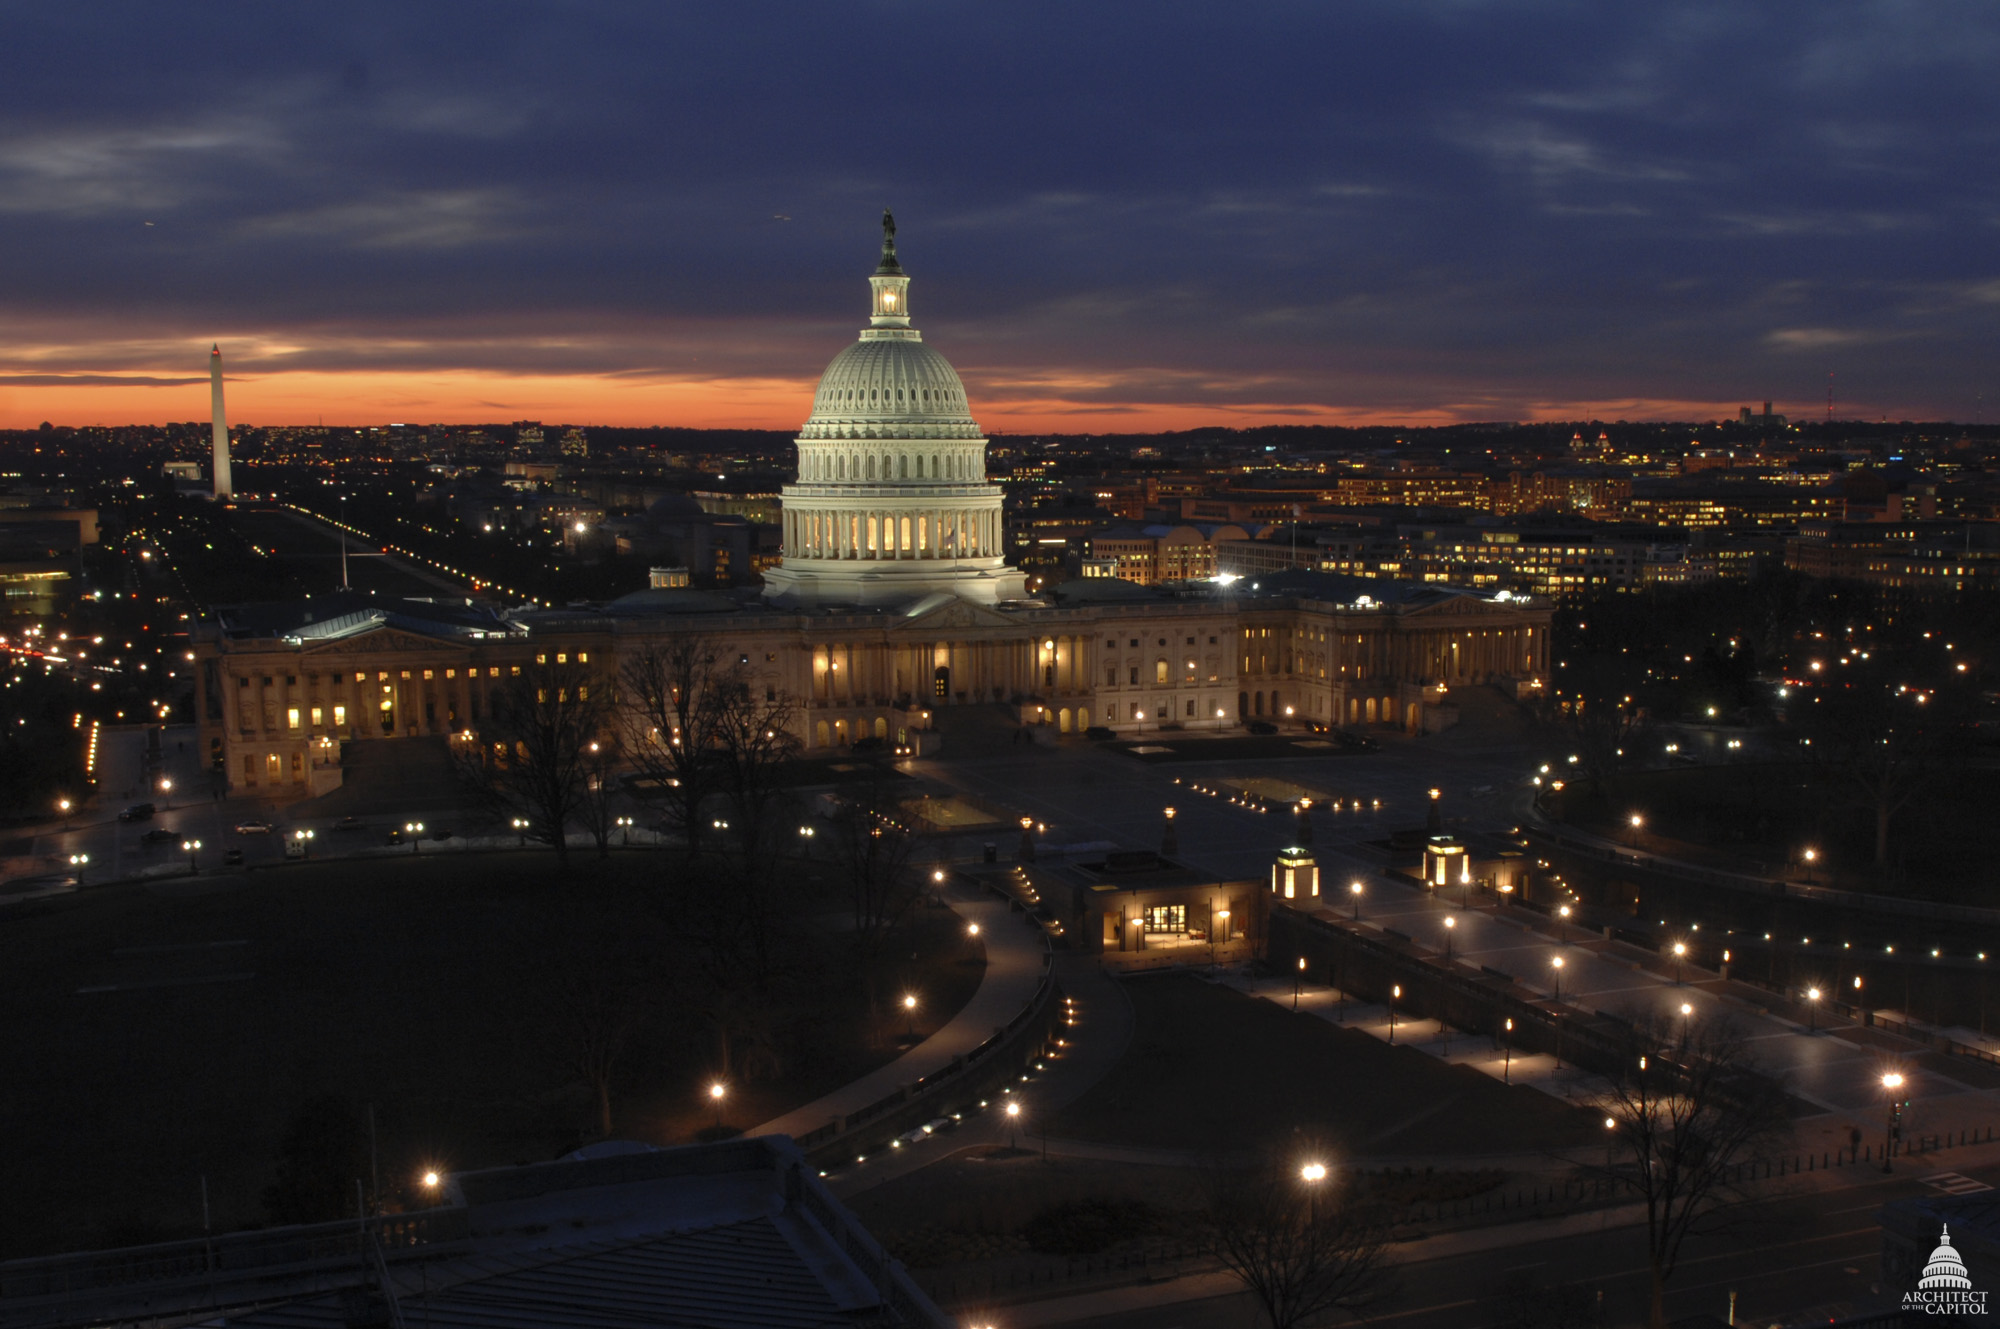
(893, 604)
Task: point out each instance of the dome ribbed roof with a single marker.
(897, 388)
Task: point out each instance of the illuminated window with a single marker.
(427, 676)
(292, 717)
(339, 716)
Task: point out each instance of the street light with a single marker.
(1557, 962)
(1810, 855)
(1812, 1010)
(431, 1180)
(415, 830)
(1680, 961)
(304, 839)
(624, 830)
(166, 790)
(62, 806)
(717, 1091)
(1297, 979)
(910, 1014)
(972, 929)
(1312, 1174)
(1507, 1052)
(190, 848)
(521, 829)
(1395, 993)
(79, 862)
(1354, 889)
(1562, 925)
(1449, 925)
(1893, 1081)
(1687, 1018)
(1013, 1123)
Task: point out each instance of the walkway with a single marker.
(1016, 954)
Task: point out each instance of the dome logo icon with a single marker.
(1945, 1287)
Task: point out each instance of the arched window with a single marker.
(902, 468)
(871, 467)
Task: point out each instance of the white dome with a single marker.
(890, 388)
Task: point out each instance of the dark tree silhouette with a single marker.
(1302, 1251)
(1687, 1110)
(534, 756)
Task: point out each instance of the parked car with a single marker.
(869, 745)
(1357, 742)
(1098, 733)
(161, 835)
(232, 858)
(253, 827)
(350, 824)
(137, 812)
(1261, 727)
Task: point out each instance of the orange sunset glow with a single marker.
(360, 399)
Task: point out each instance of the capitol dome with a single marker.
(891, 502)
(1945, 1268)
(878, 388)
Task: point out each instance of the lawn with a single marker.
(1211, 1070)
(159, 1034)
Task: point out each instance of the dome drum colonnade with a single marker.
(892, 501)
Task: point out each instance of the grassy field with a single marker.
(1212, 1070)
(158, 1034)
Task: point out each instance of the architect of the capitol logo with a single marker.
(1945, 1288)
(892, 502)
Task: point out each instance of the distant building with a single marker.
(575, 443)
(1153, 555)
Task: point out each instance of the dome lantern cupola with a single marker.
(890, 286)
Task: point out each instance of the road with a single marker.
(1804, 1251)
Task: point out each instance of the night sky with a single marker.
(1118, 216)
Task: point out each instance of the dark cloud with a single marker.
(1402, 205)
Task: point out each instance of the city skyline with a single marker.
(1418, 216)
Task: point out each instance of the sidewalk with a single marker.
(1016, 954)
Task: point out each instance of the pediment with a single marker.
(376, 641)
(956, 615)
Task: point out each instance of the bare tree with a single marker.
(604, 987)
(596, 807)
(1301, 1249)
(1887, 740)
(669, 699)
(534, 755)
(872, 849)
(1685, 1114)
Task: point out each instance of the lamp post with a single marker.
(1687, 1019)
(1562, 924)
(521, 829)
(304, 839)
(1893, 1082)
(1812, 1010)
(1507, 1051)
(1026, 853)
(62, 806)
(1810, 855)
(167, 792)
(624, 830)
(1394, 993)
(717, 1091)
(1680, 962)
(1636, 822)
(1298, 979)
(415, 830)
(1354, 889)
(1450, 925)
(191, 848)
(1557, 965)
(1312, 1174)
(1170, 840)
(79, 862)
(1013, 1123)
(909, 1015)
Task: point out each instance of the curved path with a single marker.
(1016, 955)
